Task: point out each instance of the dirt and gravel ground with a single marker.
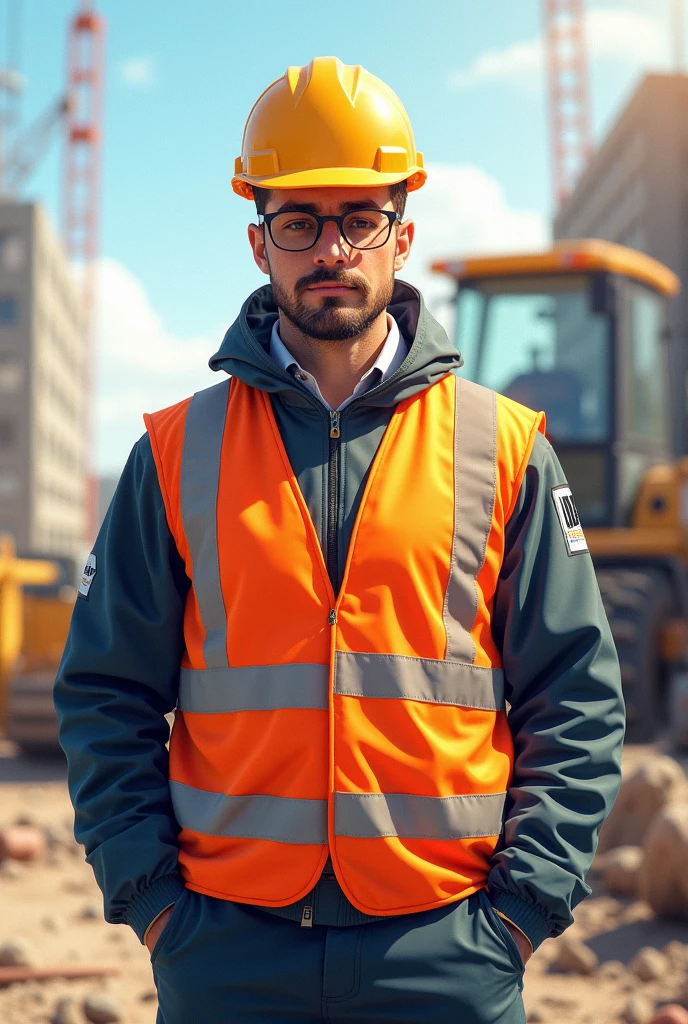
(55, 906)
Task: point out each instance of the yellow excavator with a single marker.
(579, 331)
(36, 605)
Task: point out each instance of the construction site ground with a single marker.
(55, 905)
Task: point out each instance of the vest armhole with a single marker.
(150, 427)
(538, 426)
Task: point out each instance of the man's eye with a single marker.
(360, 224)
(298, 225)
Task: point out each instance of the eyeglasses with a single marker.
(361, 229)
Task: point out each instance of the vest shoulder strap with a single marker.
(516, 432)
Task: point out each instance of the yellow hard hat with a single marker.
(327, 123)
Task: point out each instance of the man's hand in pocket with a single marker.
(524, 946)
(157, 928)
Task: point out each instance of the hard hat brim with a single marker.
(324, 177)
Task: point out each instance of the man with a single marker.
(398, 712)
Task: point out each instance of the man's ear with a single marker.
(405, 233)
(256, 239)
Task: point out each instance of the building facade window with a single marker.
(8, 432)
(11, 373)
(9, 310)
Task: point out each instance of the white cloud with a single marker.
(522, 61)
(462, 210)
(141, 366)
(139, 72)
(613, 33)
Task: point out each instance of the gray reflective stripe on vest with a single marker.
(371, 815)
(399, 677)
(475, 481)
(279, 819)
(200, 474)
(253, 688)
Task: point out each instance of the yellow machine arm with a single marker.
(15, 574)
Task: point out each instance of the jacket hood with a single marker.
(244, 352)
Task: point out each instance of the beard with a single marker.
(333, 320)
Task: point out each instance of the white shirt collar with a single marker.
(390, 358)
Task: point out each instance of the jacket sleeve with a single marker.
(117, 681)
(566, 716)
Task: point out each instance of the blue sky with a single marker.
(181, 79)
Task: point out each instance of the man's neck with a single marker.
(336, 365)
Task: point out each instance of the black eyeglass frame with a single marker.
(392, 216)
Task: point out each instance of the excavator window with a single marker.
(542, 342)
(645, 417)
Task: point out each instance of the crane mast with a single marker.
(566, 60)
(84, 140)
(81, 191)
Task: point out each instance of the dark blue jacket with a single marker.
(120, 670)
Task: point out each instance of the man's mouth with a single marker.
(330, 288)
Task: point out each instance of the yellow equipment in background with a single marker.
(33, 630)
(579, 331)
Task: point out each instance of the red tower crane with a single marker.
(569, 94)
(81, 186)
(82, 165)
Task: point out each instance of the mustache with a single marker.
(322, 275)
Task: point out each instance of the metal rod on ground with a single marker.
(11, 975)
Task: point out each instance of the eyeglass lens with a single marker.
(364, 229)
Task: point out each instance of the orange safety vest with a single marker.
(371, 723)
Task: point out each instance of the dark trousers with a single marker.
(219, 962)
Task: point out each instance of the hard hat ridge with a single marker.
(329, 73)
(327, 123)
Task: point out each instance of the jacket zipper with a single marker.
(333, 501)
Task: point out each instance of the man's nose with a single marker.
(331, 250)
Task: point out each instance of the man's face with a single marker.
(331, 291)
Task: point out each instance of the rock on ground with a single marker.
(22, 842)
(10, 871)
(649, 964)
(91, 912)
(17, 953)
(574, 956)
(52, 923)
(670, 1014)
(638, 1010)
(102, 1009)
(66, 1013)
(620, 868)
(663, 876)
(611, 970)
(651, 787)
(677, 953)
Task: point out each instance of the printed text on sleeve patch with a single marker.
(87, 576)
(569, 520)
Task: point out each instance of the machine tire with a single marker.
(638, 602)
(32, 719)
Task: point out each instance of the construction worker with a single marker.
(347, 569)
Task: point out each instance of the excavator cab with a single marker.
(579, 332)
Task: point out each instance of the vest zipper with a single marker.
(333, 501)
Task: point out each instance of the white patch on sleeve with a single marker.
(569, 520)
(88, 575)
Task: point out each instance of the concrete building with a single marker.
(43, 486)
(635, 192)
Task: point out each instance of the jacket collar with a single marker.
(244, 352)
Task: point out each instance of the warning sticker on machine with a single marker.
(88, 575)
(569, 519)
